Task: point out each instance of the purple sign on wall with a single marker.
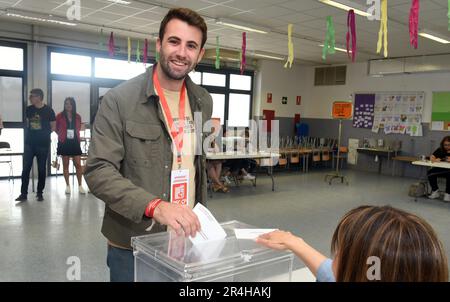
(364, 111)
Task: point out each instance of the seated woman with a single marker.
(372, 243)
(214, 169)
(442, 154)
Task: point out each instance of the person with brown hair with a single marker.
(372, 243)
(442, 154)
(145, 138)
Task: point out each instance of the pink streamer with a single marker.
(351, 31)
(145, 51)
(111, 45)
(244, 45)
(414, 23)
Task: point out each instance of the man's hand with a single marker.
(179, 218)
(434, 159)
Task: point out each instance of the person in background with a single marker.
(40, 124)
(215, 168)
(68, 126)
(442, 154)
(372, 243)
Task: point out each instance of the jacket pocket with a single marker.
(143, 143)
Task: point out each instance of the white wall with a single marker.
(317, 101)
(273, 77)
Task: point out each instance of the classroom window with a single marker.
(70, 64)
(240, 82)
(11, 58)
(214, 79)
(238, 110)
(218, 106)
(11, 96)
(196, 77)
(118, 69)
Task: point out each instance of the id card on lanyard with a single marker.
(179, 180)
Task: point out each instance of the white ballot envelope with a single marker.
(251, 234)
(210, 229)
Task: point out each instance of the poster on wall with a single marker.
(440, 112)
(363, 116)
(284, 100)
(299, 100)
(399, 113)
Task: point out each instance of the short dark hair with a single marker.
(187, 15)
(38, 92)
(445, 139)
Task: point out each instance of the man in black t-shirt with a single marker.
(442, 154)
(40, 123)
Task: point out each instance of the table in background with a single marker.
(380, 153)
(236, 155)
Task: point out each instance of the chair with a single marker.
(343, 154)
(326, 155)
(7, 146)
(295, 158)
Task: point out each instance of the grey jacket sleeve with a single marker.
(106, 153)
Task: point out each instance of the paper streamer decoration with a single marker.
(111, 45)
(330, 39)
(145, 51)
(290, 59)
(217, 53)
(383, 29)
(448, 15)
(101, 44)
(244, 46)
(138, 53)
(129, 49)
(351, 33)
(414, 23)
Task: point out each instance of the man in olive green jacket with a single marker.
(131, 158)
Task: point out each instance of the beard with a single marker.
(172, 74)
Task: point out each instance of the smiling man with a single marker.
(142, 161)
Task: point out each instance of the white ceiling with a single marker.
(142, 17)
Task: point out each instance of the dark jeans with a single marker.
(41, 153)
(433, 175)
(121, 264)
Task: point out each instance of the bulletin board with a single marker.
(440, 112)
(391, 112)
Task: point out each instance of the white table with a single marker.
(428, 163)
(241, 155)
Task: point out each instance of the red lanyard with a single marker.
(177, 134)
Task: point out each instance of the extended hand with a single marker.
(279, 240)
(179, 218)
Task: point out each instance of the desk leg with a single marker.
(270, 171)
(380, 160)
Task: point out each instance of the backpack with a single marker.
(418, 189)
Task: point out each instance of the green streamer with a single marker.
(138, 53)
(218, 53)
(448, 15)
(330, 39)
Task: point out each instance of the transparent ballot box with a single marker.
(167, 257)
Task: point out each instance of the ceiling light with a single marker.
(119, 2)
(268, 57)
(242, 26)
(433, 37)
(346, 7)
(40, 19)
(337, 48)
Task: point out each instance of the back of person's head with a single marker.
(406, 245)
(187, 15)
